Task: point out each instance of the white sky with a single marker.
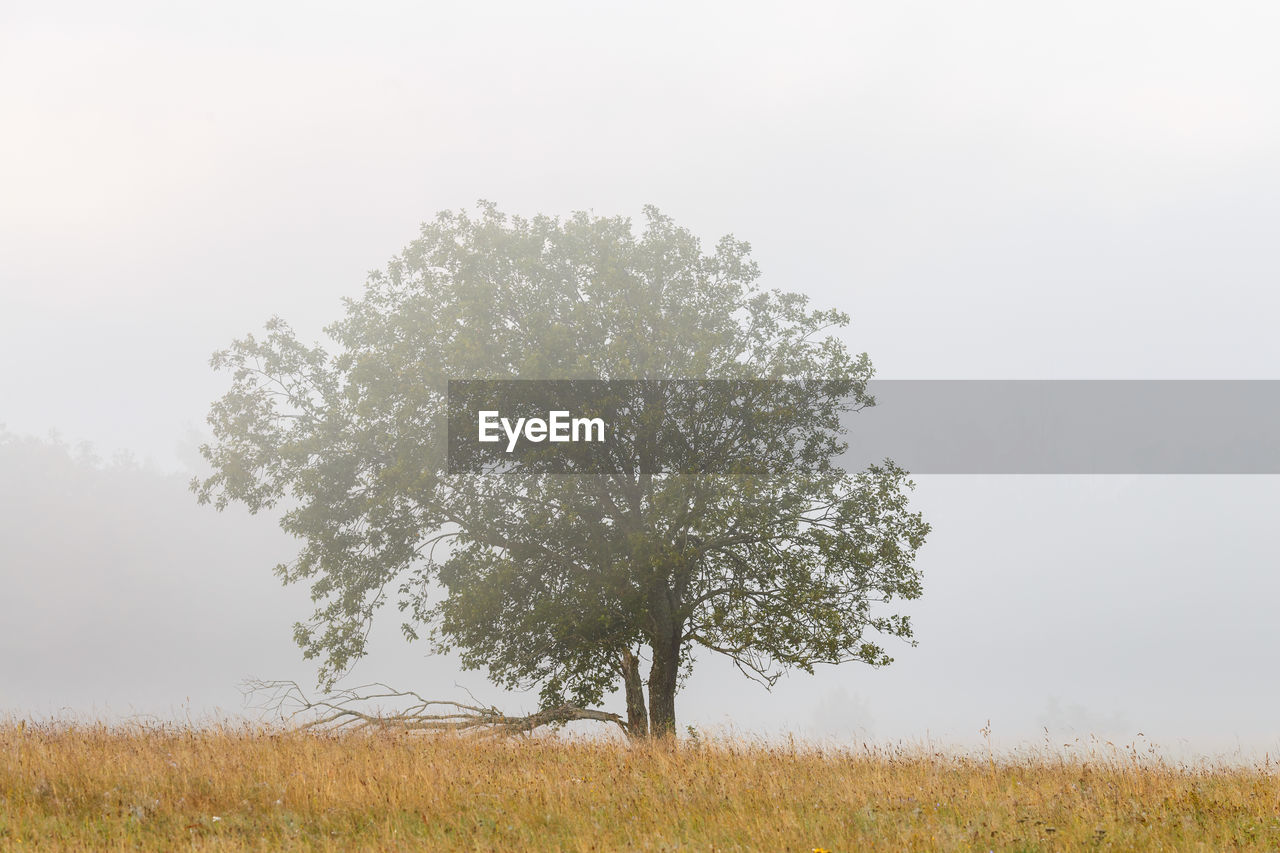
(991, 189)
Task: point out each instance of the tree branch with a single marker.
(350, 709)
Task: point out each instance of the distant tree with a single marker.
(568, 584)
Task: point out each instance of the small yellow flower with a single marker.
(821, 850)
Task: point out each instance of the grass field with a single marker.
(102, 788)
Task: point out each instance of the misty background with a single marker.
(991, 190)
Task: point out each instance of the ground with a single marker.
(68, 786)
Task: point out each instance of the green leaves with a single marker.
(546, 580)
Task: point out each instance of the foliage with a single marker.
(559, 581)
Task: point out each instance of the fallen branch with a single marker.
(348, 710)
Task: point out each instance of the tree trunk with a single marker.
(637, 718)
(662, 687)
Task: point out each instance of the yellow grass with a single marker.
(102, 788)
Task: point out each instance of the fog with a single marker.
(992, 190)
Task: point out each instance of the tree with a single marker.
(569, 583)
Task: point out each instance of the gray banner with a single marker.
(925, 426)
(1070, 426)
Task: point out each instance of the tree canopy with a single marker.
(571, 584)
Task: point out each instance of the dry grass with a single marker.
(101, 788)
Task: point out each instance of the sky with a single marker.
(991, 190)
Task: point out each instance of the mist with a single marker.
(991, 192)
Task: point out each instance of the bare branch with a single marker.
(357, 709)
